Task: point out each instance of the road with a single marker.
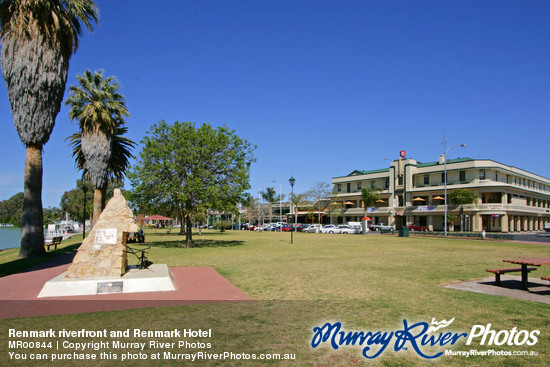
(533, 237)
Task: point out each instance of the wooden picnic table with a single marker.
(535, 261)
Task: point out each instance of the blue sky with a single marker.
(321, 87)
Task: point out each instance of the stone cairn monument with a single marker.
(103, 252)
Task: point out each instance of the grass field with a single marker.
(368, 283)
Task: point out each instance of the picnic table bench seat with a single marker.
(498, 272)
(55, 241)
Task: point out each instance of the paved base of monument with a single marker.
(156, 278)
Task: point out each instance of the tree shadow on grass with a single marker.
(198, 244)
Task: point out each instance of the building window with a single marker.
(482, 174)
(359, 186)
(426, 179)
(442, 177)
(339, 187)
(400, 180)
(496, 175)
(348, 187)
(372, 184)
(387, 183)
(462, 176)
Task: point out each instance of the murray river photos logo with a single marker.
(417, 337)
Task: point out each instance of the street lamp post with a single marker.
(445, 181)
(84, 189)
(292, 181)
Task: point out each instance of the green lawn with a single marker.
(368, 283)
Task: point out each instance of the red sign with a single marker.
(402, 154)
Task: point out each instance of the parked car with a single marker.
(303, 227)
(547, 227)
(417, 228)
(347, 229)
(330, 228)
(313, 228)
(287, 228)
(381, 227)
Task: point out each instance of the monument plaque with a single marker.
(105, 236)
(110, 287)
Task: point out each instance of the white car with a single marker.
(347, 229)
(313, 228)
(547, 227)
(331, 228)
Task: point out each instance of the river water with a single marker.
(10, 237)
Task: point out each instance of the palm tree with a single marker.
(38, 38)
(270, 195)
(100, 148)
(369, 197)
(298, 200)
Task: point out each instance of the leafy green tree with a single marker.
(52, 214)
(100, 149)
(38, 38)
(12, 209)
(191, 169)
(462, 197)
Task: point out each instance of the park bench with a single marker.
(55, 241)
(498, 272)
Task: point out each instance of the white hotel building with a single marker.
(509, 199)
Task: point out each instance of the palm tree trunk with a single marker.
(32, 220)
(103, 196)
(98, 199)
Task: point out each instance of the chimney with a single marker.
(441, 158)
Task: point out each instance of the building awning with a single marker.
(157, 217)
